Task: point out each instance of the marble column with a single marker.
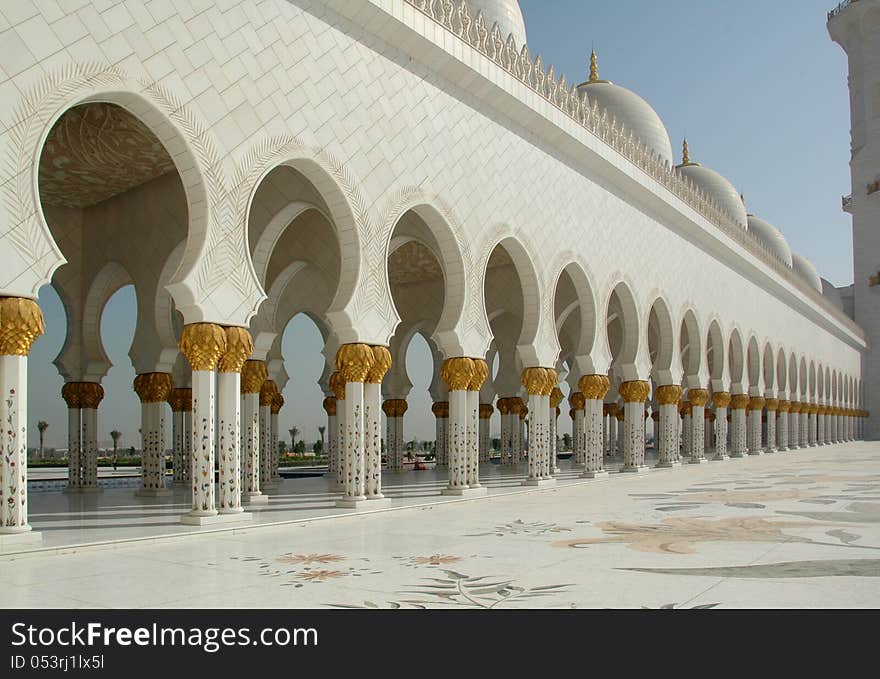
(486, 411)
(721, 401)
(755, 409)
(458, 373)
(738, 443)
(668, 397)
(812, 425)
(253, 375)
(91, 395)
(686, 411)
(373, 423)
(794, 408)
(698, 399)
(274, 410)
(70, 392)
(472, 475)
(517, 410)
(634, 394)
(577, 413)
(441, 413)
(239, 346)
(538, 384)
(782, 424)
(268, 390)
(593, 389)
(329, 406)
(181, 407)
(153, 390)
(337, 383)
(203, 344)
(394, 410)
(556, 397)
(771, 404)
(709, 434)
(503, 405)
(803, 429)
(613, 421)
(21, 322)
(821, 430)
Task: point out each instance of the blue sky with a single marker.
(758, 88)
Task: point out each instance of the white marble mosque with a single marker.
(393, 168)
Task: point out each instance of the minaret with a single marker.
(855, 26)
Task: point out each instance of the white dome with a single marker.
(772, 238)
(832, 293)
(506, 13)
(805, 269)
(718, 189)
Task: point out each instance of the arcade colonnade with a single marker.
(235, 188)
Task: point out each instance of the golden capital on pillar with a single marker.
(794, 407)
(21, 322)
(551, 379)
(668, 394)
(239, 346)
(457, 373)
(481, 372)
(721, 399)
(739, 401)
(571, 413)
(635, 391)
(440, 409)
(534, 380)
(381, 365)
(710, 415)
(577, 400)
(523, 411)
(686, 408)
(501, 404)
(556, 397)
(783, 406)
(486, 411)
(354, 361)
(698, 397)
(517, 406)
(153, 387)
(267, 393)
(613, 409)
(620, 415)
(179, 398)
(337, 385)
(203, 344)
(187, 399)
(655, 415)
(594, 387)
(330, 406)
(70, 392)
(91, 395)
(771, 404)
(756, 403)
(253, 374)
(277, 403)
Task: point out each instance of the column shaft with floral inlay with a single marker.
(253, 375)
(668, 397)
(782, 425)
(21, 322)
(634, 394)
(373, 423)
(481, 372)
(753, 425)
(457, 373)
(70, 392)
(721, 401)
(441, 414)
(181, 404)
(486, 411)
(239, 346)
(592, 391)
(738, 442)
(329, 405)
(337, 384)
(153, 389)
(354, 362)
(698, 399)
(556, 397)
(771, 404)
(578, 441)
(91, 395)
(268, 393)
(503, 405)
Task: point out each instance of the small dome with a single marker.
(772, 238)
(506, 13)
(629, 108)
(716, 187)
(805, 269)
(832, 293)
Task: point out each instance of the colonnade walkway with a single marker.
(794, 529)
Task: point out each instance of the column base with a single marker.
(152, 492)
(721, 458)
(756, 452)
(641, 469)
(769, 451)
(698, 460)
(213, 519)
(601, 474)
(538, 483)
(735, 456)
(667, 465)
(20, 538)
(254, 499)
(364, 504)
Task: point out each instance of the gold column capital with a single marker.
(739, 401)
(71, 394)
(613, 409)
(239, 346)
(354, 361)
(594, 387)
(21, 322)
(381, 365)
(153, 387)
(635, 391)
(330, 405)
(501, 404)
(253, 374)
(91, 395)
(783, 406)
(481, 373)
(668, 394)
(337, 385)
(277, 403)
(551, 379)
(180, 399)
(203, 344)
(756, 403)
(698, 397)
(794, 407)
(457, 373)
(486, 411)
(771, 404)
(721, 399)
(440, 409)
(533, 380)
(267, 393)
(577, 400)
(556, 397)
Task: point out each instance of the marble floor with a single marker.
(787, 530)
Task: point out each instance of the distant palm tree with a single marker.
(42, 425)
(115, 435)
(293, 433)
(321, 431)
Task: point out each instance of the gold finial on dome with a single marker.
(594, 70)
(686, 154)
